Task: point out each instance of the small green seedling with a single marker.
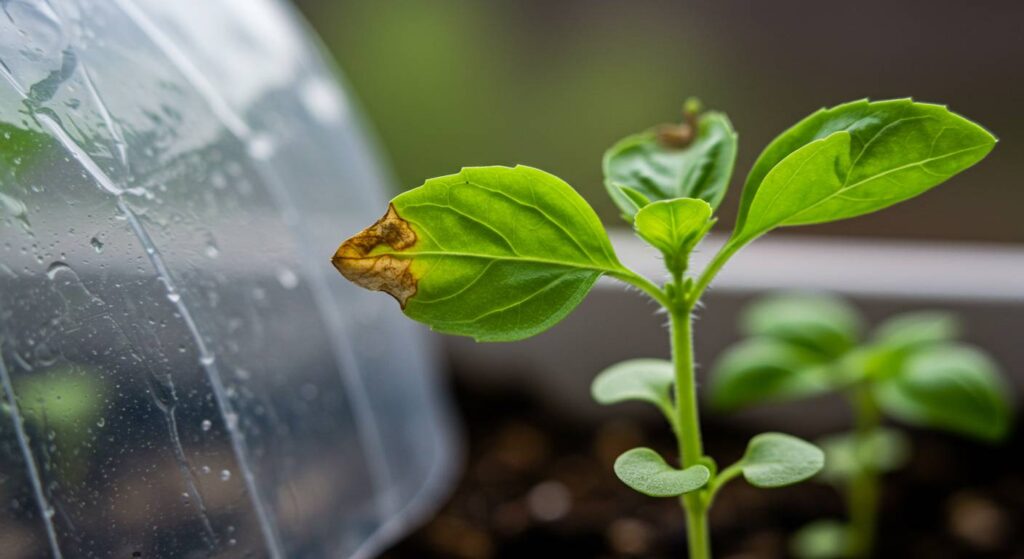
(504, 253)
(910, 368)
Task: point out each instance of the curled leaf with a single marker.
(653, 167)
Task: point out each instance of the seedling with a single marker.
(504, 253)
(910, 368)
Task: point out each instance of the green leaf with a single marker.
(914, 329)
(646, 380)
(777, 460)
(645, 471)
(884, 450)
(808, 176)
(854, 159)
(495, 253)
(632, 199)
(825, 325)
(952, 387)
(655, 171)
(674, 227)
(762, 370)
(824, 539)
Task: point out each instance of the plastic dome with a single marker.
(183, 373)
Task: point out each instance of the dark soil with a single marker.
(537, 486)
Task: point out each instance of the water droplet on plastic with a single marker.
(225, 475)
(102, 422)
(56, 268)
(204, 470)
(207, 360)
(173, 297)
(287, 278)
(211, 250)
(206, 424)
(261, 146)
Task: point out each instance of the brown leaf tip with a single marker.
(380, 272)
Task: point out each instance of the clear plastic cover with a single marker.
(183, 372)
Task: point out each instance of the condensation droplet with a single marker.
(173, 297)
(206, 424)
(225, 475)
(101, 423)
(97, 244)
(204, 470)
(207, 360)
(261, 146)
(287, 278)
(56, 268)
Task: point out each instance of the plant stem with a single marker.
(721, 257)
(691, 449)
(643, 284)
(863, 491)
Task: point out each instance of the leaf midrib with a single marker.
(529, 259)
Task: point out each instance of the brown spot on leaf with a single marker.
(380, 272)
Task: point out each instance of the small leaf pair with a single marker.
(771, 460)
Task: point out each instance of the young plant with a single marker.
(504, 253)
(910, 368)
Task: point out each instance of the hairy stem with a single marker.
(691, 448)
(721, 257)
(863, 490)
(643, 284)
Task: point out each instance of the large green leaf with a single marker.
(495, 253)
(674, 227)
(777, 460)
(854, 159)
(646, 380)
(763, 370)
(825, 325)
(641, 167)
(951, 387)
(645, 471)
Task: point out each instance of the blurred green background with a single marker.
(448, 83)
